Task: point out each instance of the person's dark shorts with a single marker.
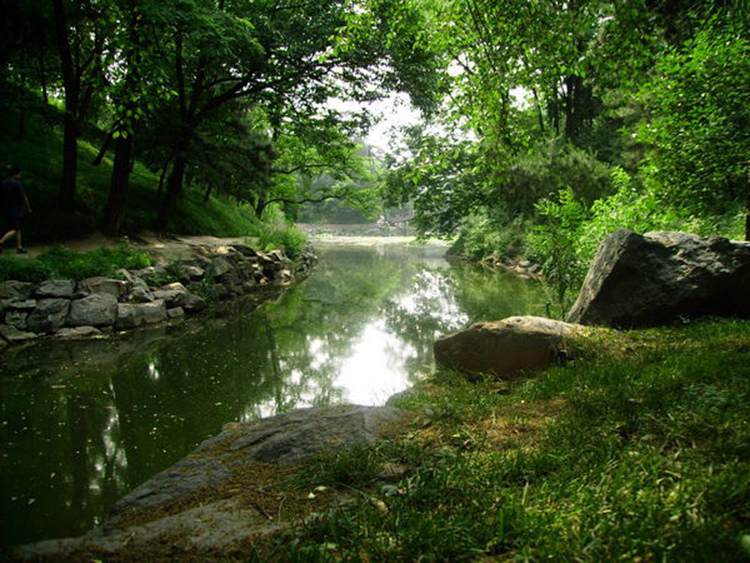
(13, 223)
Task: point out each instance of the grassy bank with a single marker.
(39, 154)
(640, 452)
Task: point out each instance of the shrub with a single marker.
(63, 263)
(289, 238)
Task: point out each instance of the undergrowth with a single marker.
(59, 262)
(640, 452)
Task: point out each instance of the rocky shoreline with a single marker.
(97, 306)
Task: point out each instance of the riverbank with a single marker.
(186, 277)
(640, 448)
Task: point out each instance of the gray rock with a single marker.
(192, 303)
(131, 315)
(99, 284)
(140, 293)
(50, 315)
(181, 298)
(175, 313)
(17, 318)
(638, 281)
(172, 298)
(195, 273)
(79, 332)
(220, 267)
(12, 334)
(22, 305)
(285, 439)
(508, 347)
(56, 288)
(175, 286)
(245, 249)
(127, 275)
(98, 309)
(278, 256)
(13, 289)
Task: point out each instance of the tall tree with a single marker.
(80, 39)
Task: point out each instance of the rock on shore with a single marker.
(657, 278)
(198, 503)
(142, 297)
(508, 347)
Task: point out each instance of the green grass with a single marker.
(640, 452)
(39, 154)
(62, 263)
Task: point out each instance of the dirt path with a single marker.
(161, 248)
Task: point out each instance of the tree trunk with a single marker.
(174, 189)
(103, 151)
(21, 124)
(207, 193)
(747, 205)
(70, 162)
(71, 85)
(114, 215)
(260, 206)
(161, 178)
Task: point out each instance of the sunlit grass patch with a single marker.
(640, 451)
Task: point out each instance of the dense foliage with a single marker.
(566, 120)
(232, 97)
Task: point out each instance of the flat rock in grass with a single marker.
(215, 522)
(134, 315)
(49, 315)
(13, 289)
(284, 439)
(508, 347)
(97, 309)
(99, 284)
(12, 334)
(657, 278)
(55, 288)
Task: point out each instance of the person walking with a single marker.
(13, 203)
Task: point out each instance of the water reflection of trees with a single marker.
(84, 422)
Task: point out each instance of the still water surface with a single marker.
(83, 423)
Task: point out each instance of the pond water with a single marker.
(82, 423)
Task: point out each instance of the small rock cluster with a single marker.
(93, 306)
(521, 267)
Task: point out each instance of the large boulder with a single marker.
(132, 315)
(508, 347)
(49, 315)
(657, 278)
(98, 309)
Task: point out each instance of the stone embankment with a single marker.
(99, 305)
